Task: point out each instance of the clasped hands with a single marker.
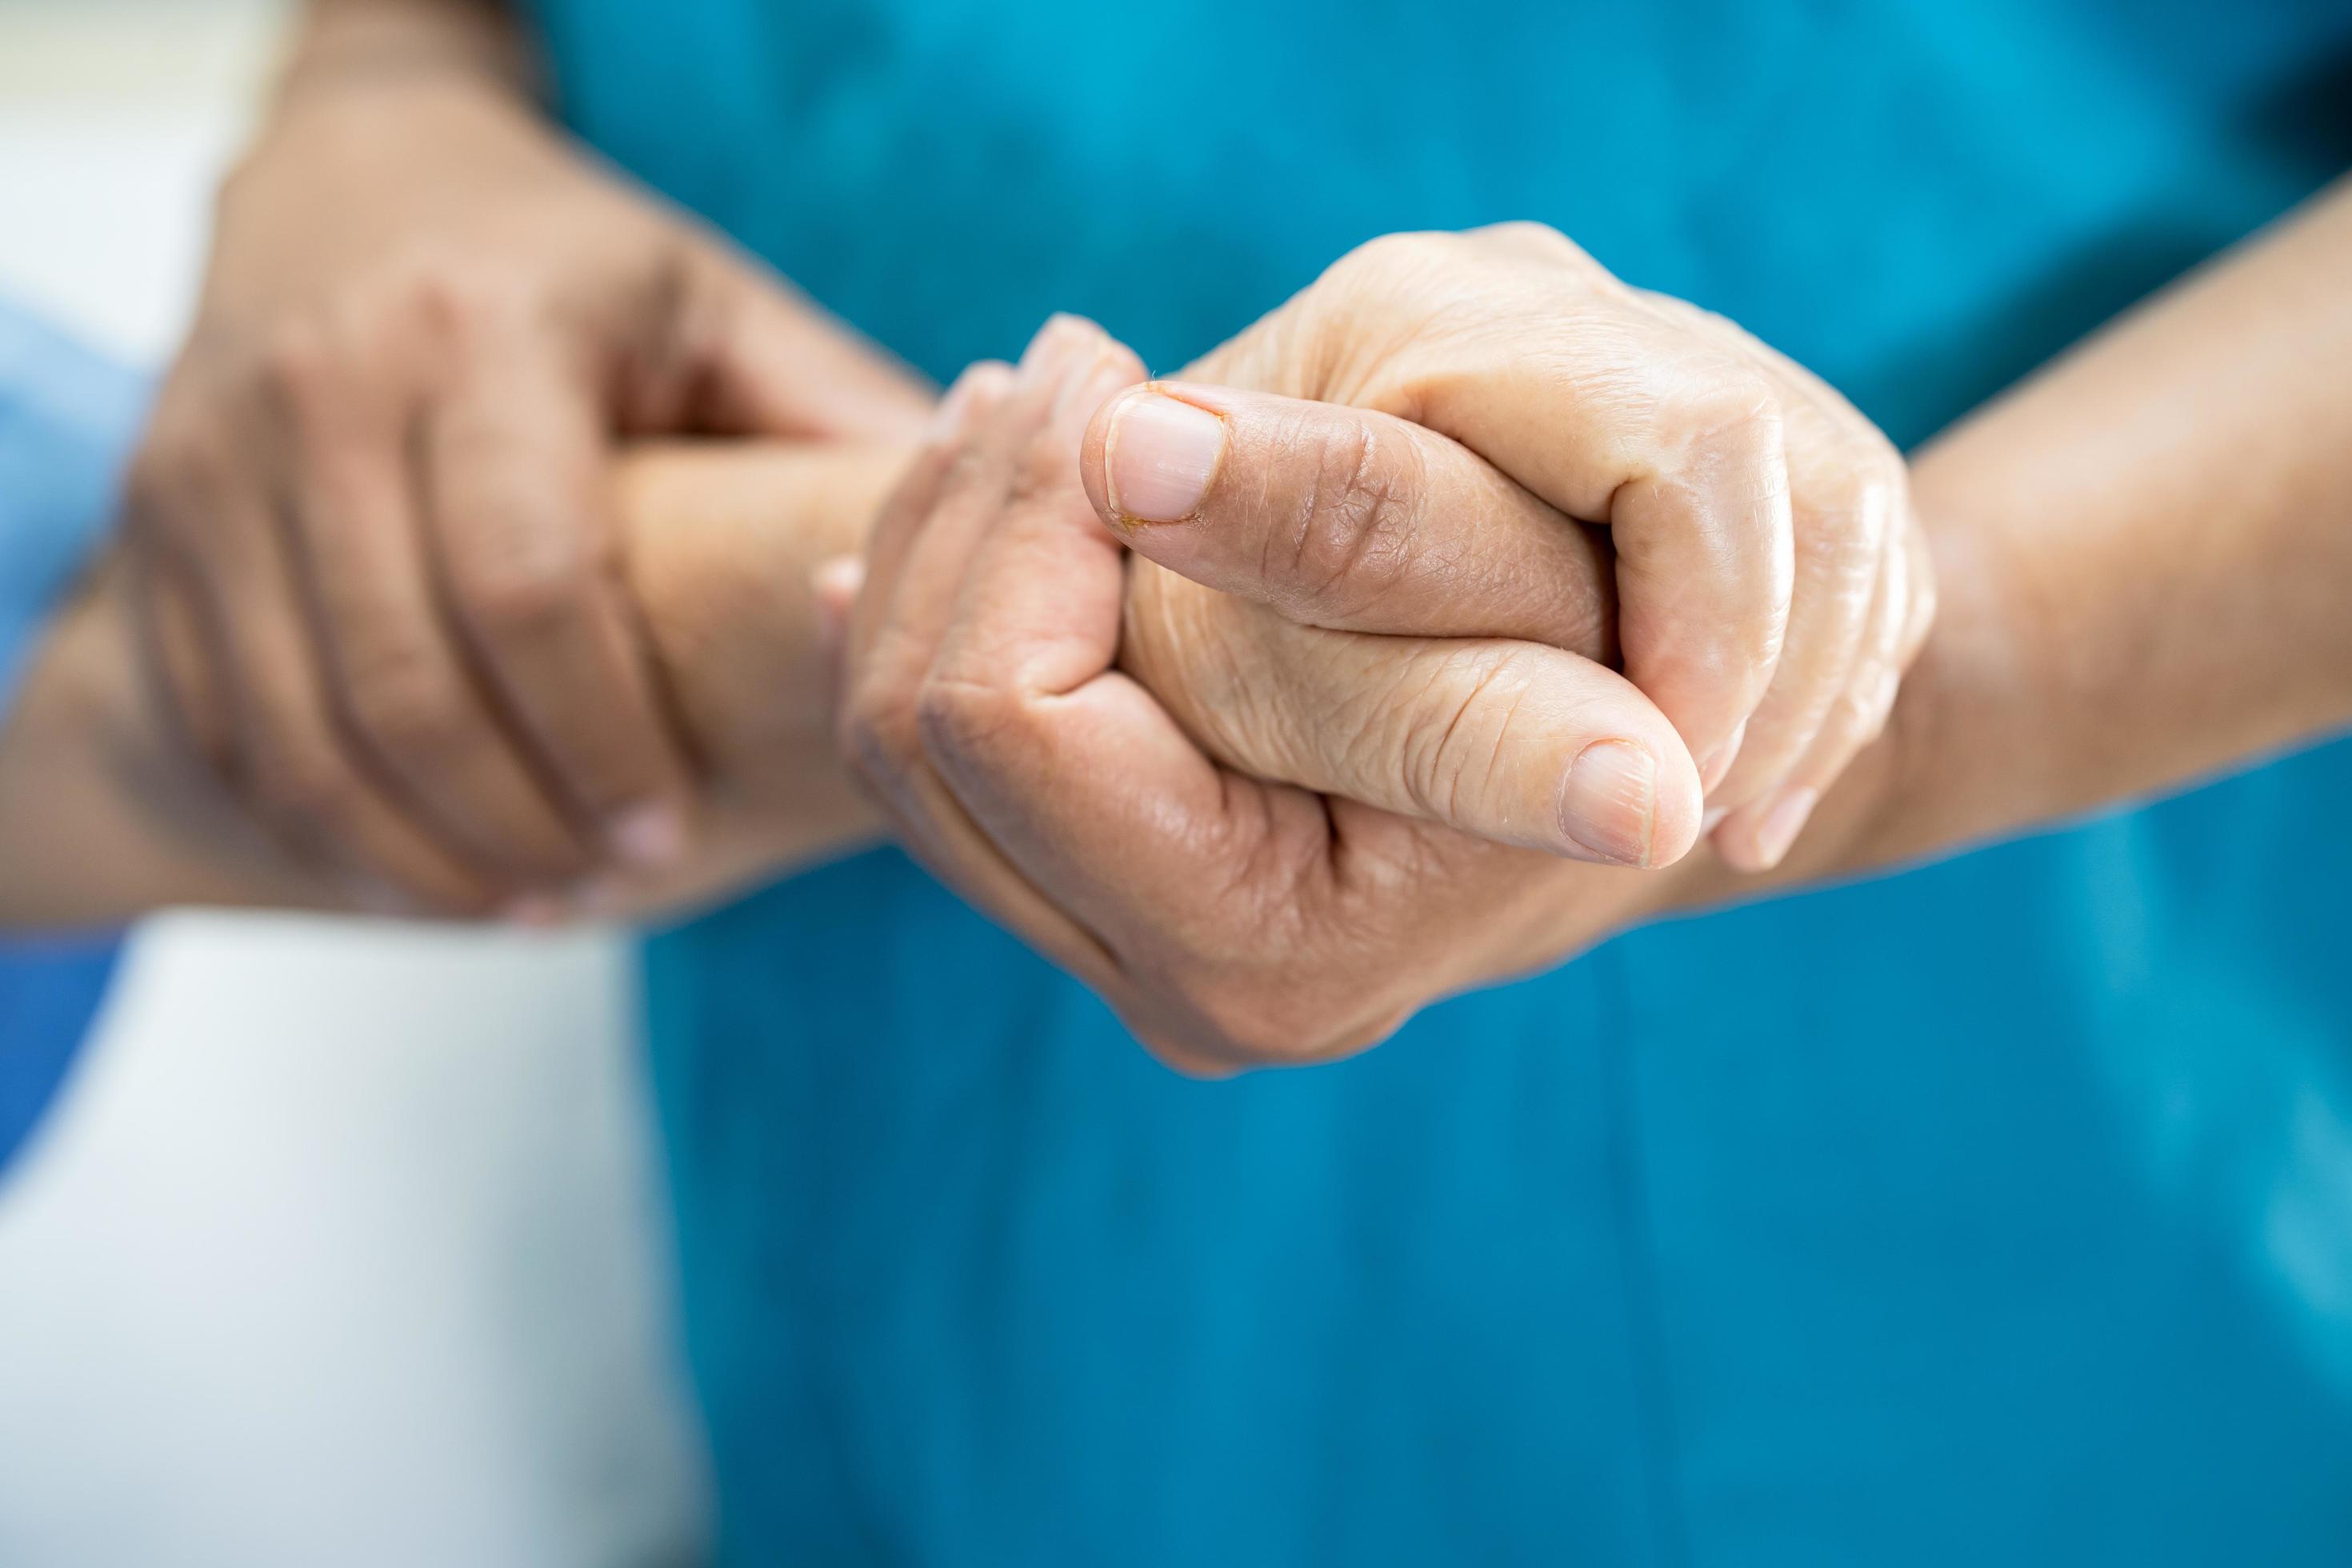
(1402, 646)
(1277, 702)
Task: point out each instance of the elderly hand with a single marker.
(1079, 741)
(1013, 696)
(374, 499)
(1773, 580)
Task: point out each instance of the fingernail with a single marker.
(1712, 820)
(1782, 821)
(1609, 805)
(1718, 762)
(1160, 455)
(652, 835)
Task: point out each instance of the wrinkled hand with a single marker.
(1080, 740)
(1773, 580)
(372, 511)
(1083, 752)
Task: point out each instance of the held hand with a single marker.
(373, 513)
(1086, 756)
(1773, 582)
(1370, 610)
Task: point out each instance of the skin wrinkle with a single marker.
(1497, 670)
(1422, 760)
(1372, 502)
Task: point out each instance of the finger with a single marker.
(1845, 494)
(516, 505)
(743, 352)
(288, 760)
(1196, 880)
(169, 626)
(969, 404)
(914, 565)
(921, 548)
(1343, 518)
(1675, 443)
(1759, 837)
(395, 672)
(1061, 774)
(1512, 741)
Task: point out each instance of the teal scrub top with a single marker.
(1997, 1212)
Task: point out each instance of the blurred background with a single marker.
(343, 1242)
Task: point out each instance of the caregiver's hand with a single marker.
(1083, 752)
(1772, 577)
(375, 484)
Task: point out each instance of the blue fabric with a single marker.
(49, 991)
(67, 417)
(2000, 1212)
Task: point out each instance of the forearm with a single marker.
(2145, 556)
(106, 812)
(102, 812)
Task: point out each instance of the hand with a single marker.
(373, 512)
(1773, 579)
(1083, 753)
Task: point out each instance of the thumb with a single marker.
(1343, 518)
(766, 360)
(1511, 741)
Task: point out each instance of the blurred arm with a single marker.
(105, 812)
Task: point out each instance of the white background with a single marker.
(343, 1245)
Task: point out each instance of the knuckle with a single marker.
(1408, 246)
(295, 371)
(516, 583)
(1253, 1016)
(1723, 405)
(859, 742)
(181, 476)
(1888, 471)
(872, 736)
(1846, 525)
(1919, 617)
(1527, 237)
(405, 702)
(1351, 537)
(1247, 1023)
(463, 298)
(301, 784)
(964, 723)
(1871, 484)
(1391, 269)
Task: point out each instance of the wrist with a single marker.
(719, 541)
(472, 46)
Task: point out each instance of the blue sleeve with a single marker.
(67, 419)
